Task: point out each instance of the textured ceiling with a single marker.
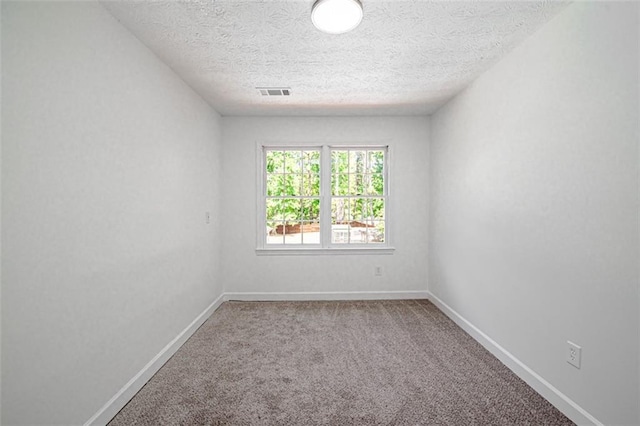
(405, 58)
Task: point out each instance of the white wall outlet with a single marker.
(574, 354)
(377, 271)
(207, 218)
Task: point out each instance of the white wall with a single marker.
(534, 205)
(405, 270)
(109, 163)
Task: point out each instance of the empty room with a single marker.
(320, 212)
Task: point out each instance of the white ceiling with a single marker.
(405, 58)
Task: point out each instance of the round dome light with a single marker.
(336, 16)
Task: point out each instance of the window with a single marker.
(323, 198)
(357, 196)
(292, 196)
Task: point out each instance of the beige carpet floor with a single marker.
(335, 363)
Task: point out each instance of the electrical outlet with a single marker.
(378, 271)
(574, 354)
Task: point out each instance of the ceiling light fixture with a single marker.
(336, 16)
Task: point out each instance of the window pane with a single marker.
(275, 185)
(293, 162)
(311, 162)
(376, 233)
(356, 184)
(310, 232)
(292, 185)
(291, 209)
(340, 184)
(375, 184)
(275, 162)
(339, 234)
(310, 184)
(292, 234)
(377, 208)
(311, 209)
(274, 210)
(357, 233)
(274, 233)
(339, 210)
(358, 209)
(375, 161)
(357, 161)
(339, 162)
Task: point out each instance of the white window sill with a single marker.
(313, 251)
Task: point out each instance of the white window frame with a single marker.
(325, 246)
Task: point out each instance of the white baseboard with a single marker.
(563, 403)
(321, 295)
(122, 397)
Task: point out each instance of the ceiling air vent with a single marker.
(274, 91)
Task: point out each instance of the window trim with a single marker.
(325, 247)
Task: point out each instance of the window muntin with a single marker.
(324, 197)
